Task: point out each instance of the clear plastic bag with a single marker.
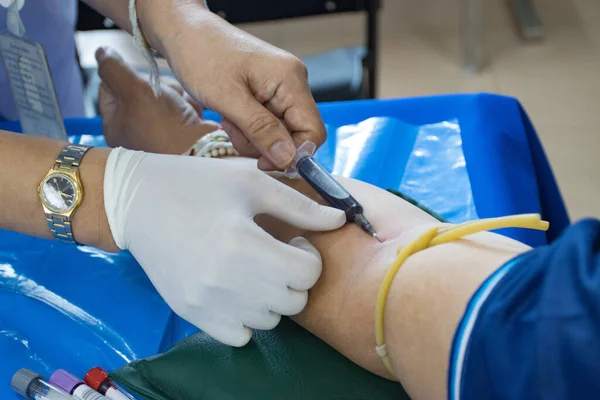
(425, 162)
(436, 173)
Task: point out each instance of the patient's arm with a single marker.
(428, 296)
(426, 301)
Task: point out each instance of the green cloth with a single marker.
(287, 362)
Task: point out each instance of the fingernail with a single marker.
(100, 53)
(282, 153)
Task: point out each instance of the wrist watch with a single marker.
(61, 192)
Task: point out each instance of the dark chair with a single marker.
(341, 74)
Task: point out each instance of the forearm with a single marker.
(157, 17)
(25, 161)
(425, 303)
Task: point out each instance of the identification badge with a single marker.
(31, 86)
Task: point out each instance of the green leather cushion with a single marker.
(287, 362)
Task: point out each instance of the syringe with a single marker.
(307, 167)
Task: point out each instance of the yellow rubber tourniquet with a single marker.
(434, 237)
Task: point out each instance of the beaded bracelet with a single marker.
(213, 145)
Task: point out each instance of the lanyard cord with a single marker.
(13, 18)
(142, 45)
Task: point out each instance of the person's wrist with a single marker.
(161, 21)
(90, 224)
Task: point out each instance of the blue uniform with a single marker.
(52, 24)
(532, 330)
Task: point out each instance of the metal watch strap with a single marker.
(67, 161)
(70, 157)
(60, 226)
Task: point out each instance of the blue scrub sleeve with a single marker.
(532, 330)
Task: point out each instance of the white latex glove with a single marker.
(189, 222)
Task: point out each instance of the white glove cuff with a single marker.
(120, 165)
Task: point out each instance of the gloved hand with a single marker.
(189, 222)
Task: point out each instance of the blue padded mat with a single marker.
(466, 156)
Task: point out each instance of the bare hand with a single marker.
(261, 91)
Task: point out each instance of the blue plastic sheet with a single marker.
(424, 162)
(75, 308)
(507, 166)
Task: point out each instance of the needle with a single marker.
(366, 226)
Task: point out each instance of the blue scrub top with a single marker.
(531, 331)
(52, 24)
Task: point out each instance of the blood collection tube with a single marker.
(73, 385)
(97, 378)
(31, 385)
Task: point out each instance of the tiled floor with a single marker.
(557, 80)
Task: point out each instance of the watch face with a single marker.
(59, 193)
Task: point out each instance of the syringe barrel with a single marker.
(328, 187)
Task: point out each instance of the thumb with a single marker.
(236, 336)
(291, 206)
(117, 76)
(262, 128)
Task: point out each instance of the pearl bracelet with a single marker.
(213, 145)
